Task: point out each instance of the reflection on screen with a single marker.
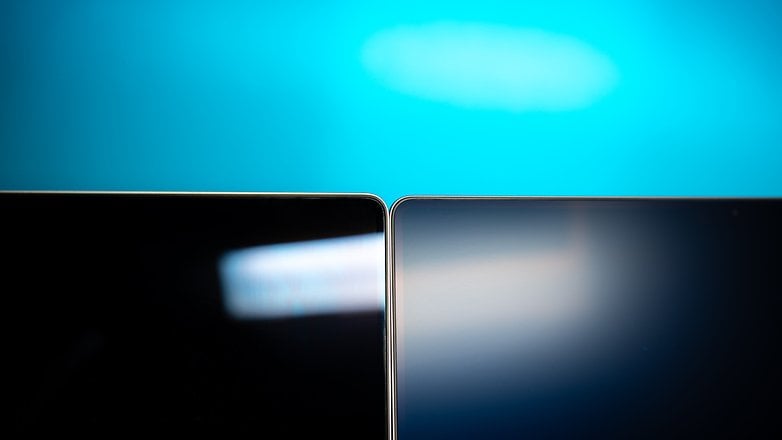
(554, 319)
(336, 275)
(124, 321)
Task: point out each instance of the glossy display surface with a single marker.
(120, 317)
(587, 318)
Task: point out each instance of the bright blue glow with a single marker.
(279, 96)
(490, 66)
(336, 275)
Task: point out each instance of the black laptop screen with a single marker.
(193, 314)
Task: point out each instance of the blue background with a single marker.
(274, 96)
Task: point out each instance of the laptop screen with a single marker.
(195, 313)
(587, 318)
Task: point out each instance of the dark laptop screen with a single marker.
(575, 318)
(191, 314)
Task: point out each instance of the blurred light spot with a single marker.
(490, 66)
(541, 294)
(316, 277)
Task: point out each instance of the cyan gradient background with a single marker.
(274, 96)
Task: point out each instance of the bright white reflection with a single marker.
(305, 278)
(540, 296)
(490, 66)
(521, 305)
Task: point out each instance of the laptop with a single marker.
(606, 318)
(187, 313)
